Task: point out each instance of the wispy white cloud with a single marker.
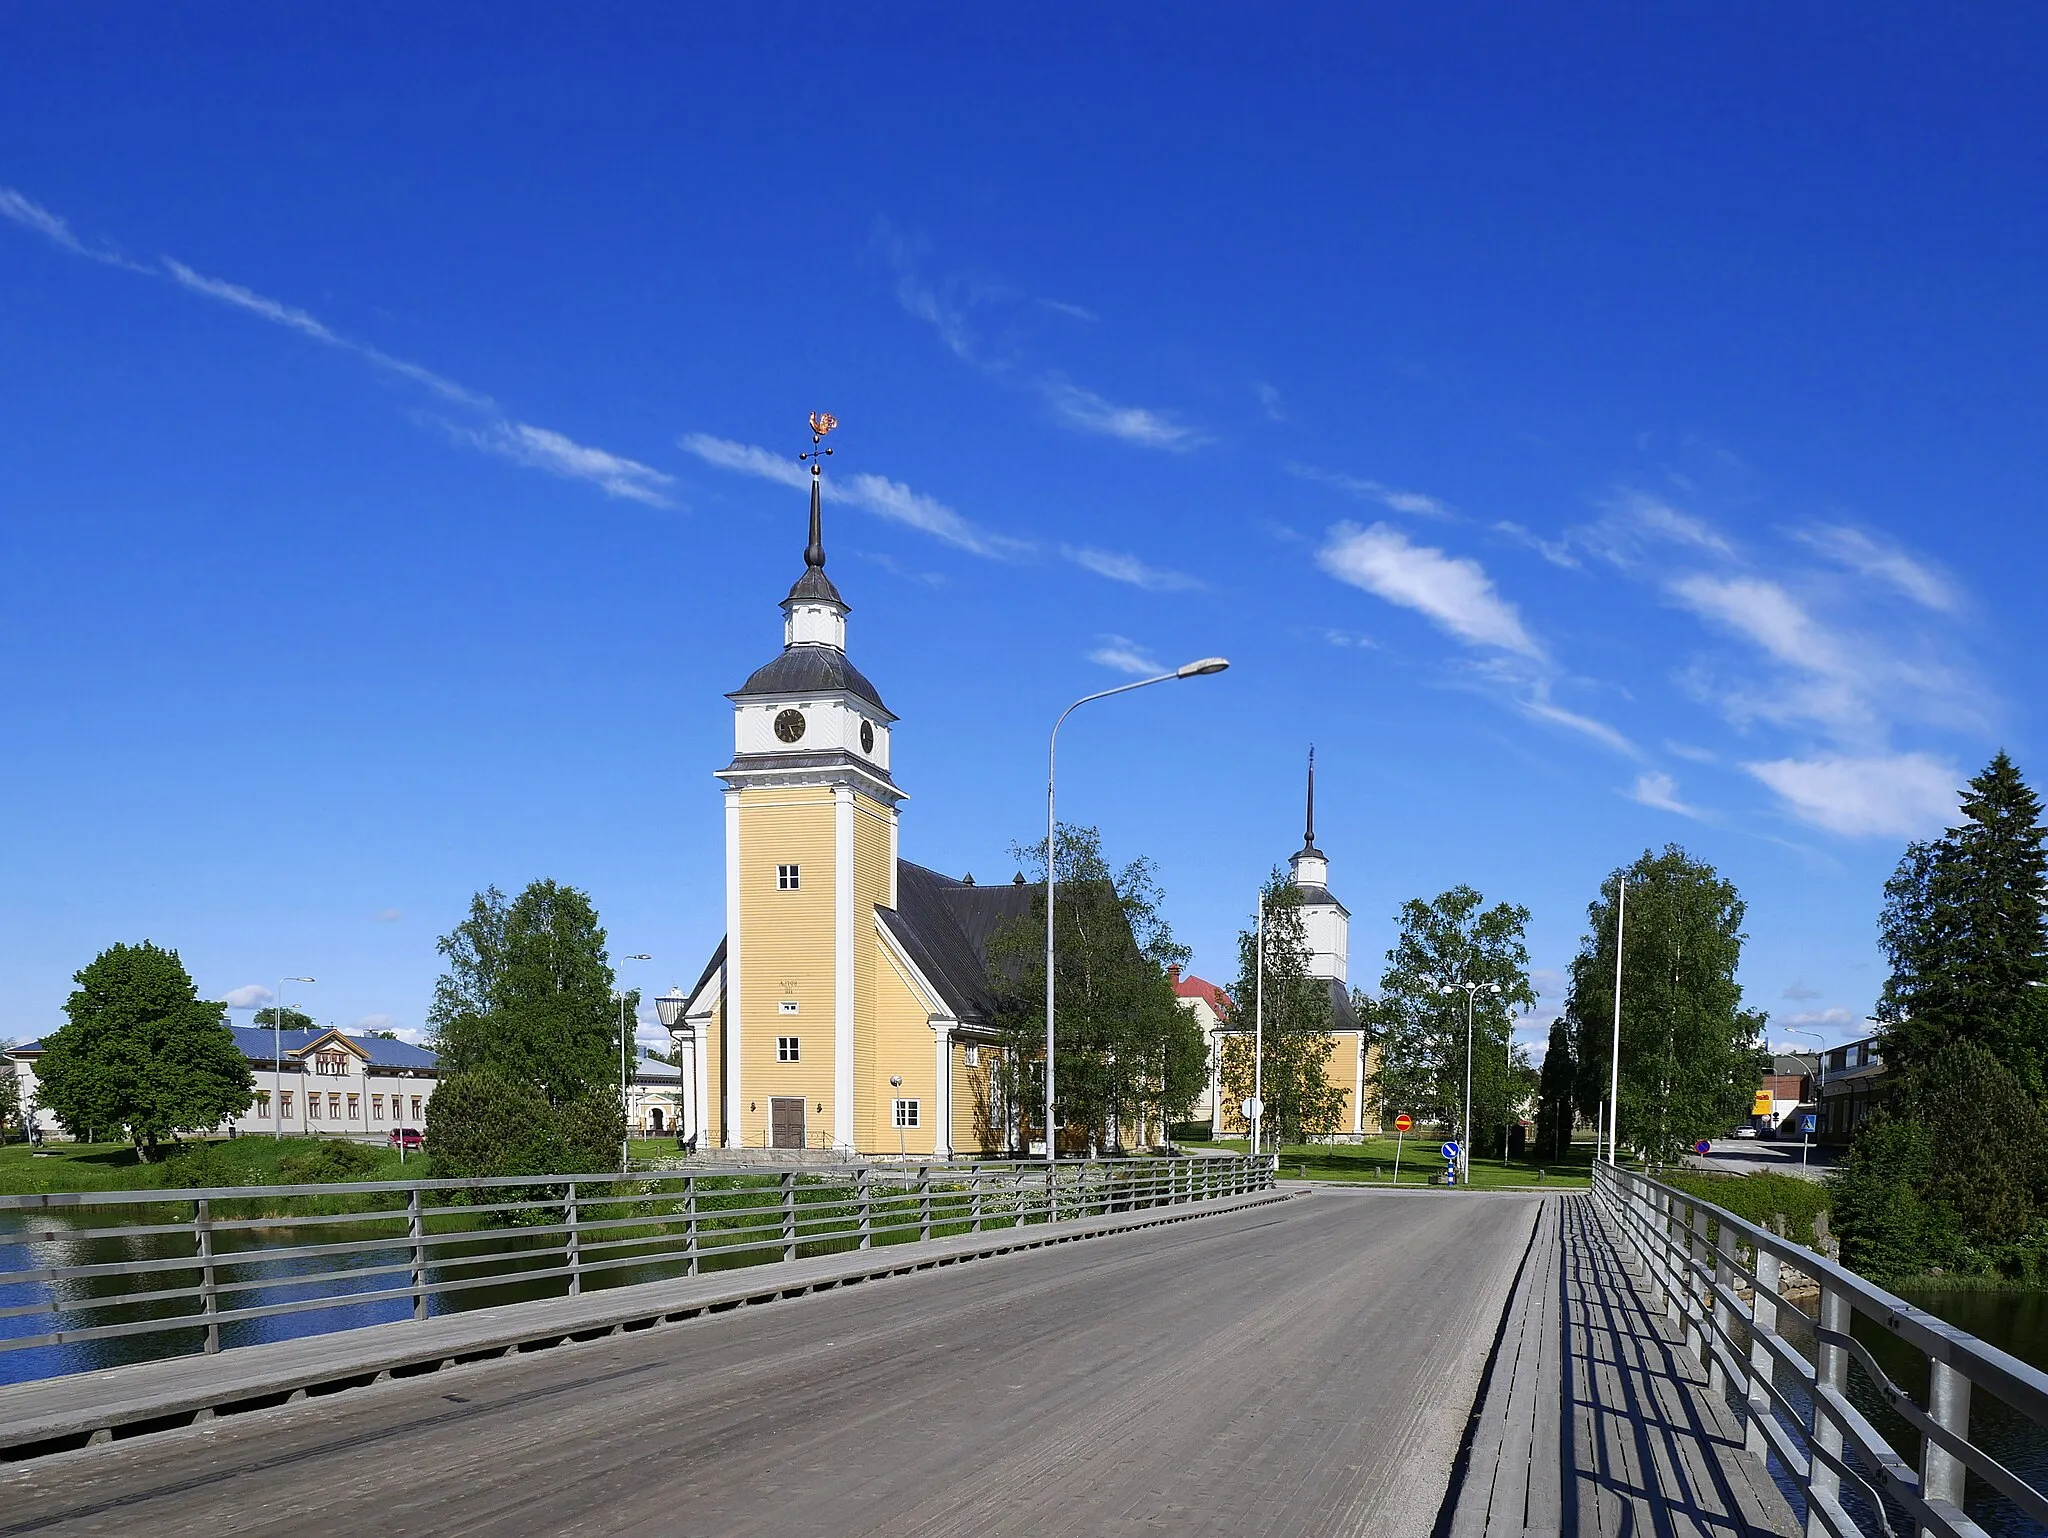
(874, 493)
(896, 568)
(1635, 522)
(1556, 551)
(1691, 754)
(1826, 1019)
(1452, 591)
(1393, 498)
(389, 915)
(1659, 790)
(1119, 567)
(1349, 638)
(1124, 655)
(541, 448)
(1765, 613)
(29, 214)
(1083, 408)
(1800, 993)
(248, 996)
(1269, 401)
(1071, 311)
(1540, 705)
(1895, 795)
(1882, 562)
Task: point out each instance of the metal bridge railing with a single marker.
(1788, 1373)
(198, 1269)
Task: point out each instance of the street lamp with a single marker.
(1198, 669)
(1471, 992)
(625, 1042)
(277, 1056)
(896, 1115)
(1258, 1116)
(669, 1008)
(1614, 1052)
(1820, 1058)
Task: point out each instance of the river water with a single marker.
(81, 1306)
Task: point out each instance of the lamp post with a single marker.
(625, 1044)
(1614, 1052)
(1820, 1058)
(277, 1056)
(669, 1007)
(1199, 669)
(1471, 991)
(1258, 1117)
(896, 1115)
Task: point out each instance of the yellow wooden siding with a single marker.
(975, 1117)
(902, 1046)
(786, 952)
(870, 890)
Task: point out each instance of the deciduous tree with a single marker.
(141, 1051)
(1454, 938)
(1691, 1055)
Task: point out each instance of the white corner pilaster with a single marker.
(1358, 1088)
(942, 1081)
(842, 966)
(729, 1059)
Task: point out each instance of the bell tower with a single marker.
(1325, 921)
(810, 852)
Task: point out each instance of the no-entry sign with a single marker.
(1403, 1123)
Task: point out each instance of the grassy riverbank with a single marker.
(247, 1161)
(1372, 1163)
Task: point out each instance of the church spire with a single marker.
(1308, 837)
(822, 422)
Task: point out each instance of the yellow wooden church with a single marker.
(847, 1006)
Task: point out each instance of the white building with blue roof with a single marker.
(318, 1082)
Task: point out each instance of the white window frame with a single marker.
(789, 1049)
(788, 1007)
(789, 878)
(903, 1114)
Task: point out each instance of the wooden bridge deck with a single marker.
(1595, 1420)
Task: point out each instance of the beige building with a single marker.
(846, 1008)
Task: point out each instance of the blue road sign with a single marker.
(1703, 1147)
(1808, 1123)
(1450, 1151)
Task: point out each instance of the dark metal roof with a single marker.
(810, 669)
(1320, 897)
(835, 758)
(256, 1044)
(814, 584)
(945, 926)
(710, 970)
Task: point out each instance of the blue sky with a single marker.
(1589, 430)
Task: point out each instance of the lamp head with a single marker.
(669, 1006)
(1201, 668)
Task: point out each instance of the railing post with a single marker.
(1948, 1406)
(789, 1214)
(1052, 1190)
(864, 1196)
(924, 1201)
(575, 1242)
(980, 1173)
(1763, 1322)
(209, 1298)
(1696, 1287)
(1724, 1280)
(1831, 1371)
(691, 1245)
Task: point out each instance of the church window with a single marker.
(788, 878)
(787, 1049)
(906, 1113)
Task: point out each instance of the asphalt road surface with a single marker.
(1300, 1368)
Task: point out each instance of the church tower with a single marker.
(1326, 921)
(810, 854)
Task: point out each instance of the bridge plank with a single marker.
(1597, 1421)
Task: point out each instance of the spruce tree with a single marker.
(1554, 1095)
(1963, 929)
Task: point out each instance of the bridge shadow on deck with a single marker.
(1595, 1420)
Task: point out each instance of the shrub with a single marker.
(1884, 1223)
(481, 1123)
(332, 1160)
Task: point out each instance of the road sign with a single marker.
(1253, 1108)
(1808, 1123)
(1403, 1123)
(1703, 1147)
(1450, 1152)
(1760, 1104)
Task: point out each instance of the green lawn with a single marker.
(225, 1161)
(1372, 1162)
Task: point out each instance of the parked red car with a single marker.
(407, 1138)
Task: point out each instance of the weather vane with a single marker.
(822, 422)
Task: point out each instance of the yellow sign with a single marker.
(1762, 1105)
